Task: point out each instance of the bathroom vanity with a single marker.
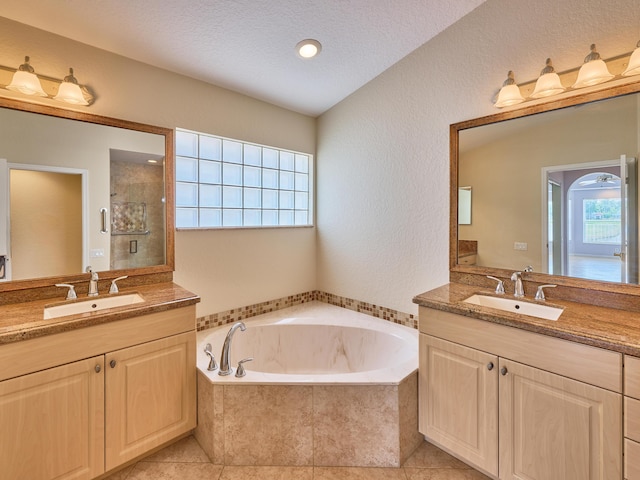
(521, 397)
(83, 394)
(513, 394)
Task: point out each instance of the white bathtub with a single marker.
(349, 379)
(315, 343)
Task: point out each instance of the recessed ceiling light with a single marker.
(308, 48)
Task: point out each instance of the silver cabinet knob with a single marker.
(112, 364)
(490, 366)
(503, 371)
(98, 368)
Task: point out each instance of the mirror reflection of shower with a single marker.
(136, 209)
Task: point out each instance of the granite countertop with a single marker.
(22, 321)
(613, 329)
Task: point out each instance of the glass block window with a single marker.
(228, 183)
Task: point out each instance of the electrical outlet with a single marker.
(520, 246)
(96, 253)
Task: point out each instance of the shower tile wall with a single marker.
(132, 182)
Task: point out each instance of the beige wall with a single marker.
(383, 153)
(227, 268)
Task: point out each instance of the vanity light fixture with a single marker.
(308, 48)
(509, 93)
(634, 63)
(26, 81)
(70, 91)
(593, 71)
(548, 83)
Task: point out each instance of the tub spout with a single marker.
(225, 368)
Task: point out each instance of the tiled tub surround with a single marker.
(311, 416)
(242, 313)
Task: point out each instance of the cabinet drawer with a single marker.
(632, 419)
(592, 365)
(467, 260)
(631, 460)
(632, 376)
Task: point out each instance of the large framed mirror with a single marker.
(555, 187)
(82, 190)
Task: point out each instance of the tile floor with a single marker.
(185, 460)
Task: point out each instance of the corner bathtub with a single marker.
(327, 386)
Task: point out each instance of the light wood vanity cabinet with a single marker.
(506, 401)
(82, 418)
(631, 418)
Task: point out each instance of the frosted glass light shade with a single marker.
(548, 83)
(593, 71)
(634, 63)
(27, 83)
(70, 93)
(509, 93)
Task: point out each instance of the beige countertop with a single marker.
(617, 330)
(22, 321)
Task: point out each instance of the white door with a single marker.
(628, 252)
(4, 221)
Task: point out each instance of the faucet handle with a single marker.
(240, 370)
(540, 292)
(212, 360)
(114, 288)
(71, 294)
(500, 286)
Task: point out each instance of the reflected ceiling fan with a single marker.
(604, 178)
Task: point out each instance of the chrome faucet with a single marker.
(225, 368)
(93, 283)
(518, 289)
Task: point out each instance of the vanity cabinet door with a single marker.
(150, 396)
(555, 428)
(52, 423)
(459, 401)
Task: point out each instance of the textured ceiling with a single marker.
(248, 45)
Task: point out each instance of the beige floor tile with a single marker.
(185, 450)
(120, 475)
(267, 473)
(443, 474)
(358, 473)
(430, 456)
(175, 471)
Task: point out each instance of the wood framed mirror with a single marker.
(120, 221)
(525, 166)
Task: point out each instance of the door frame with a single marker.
(545, 204)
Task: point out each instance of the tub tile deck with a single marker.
(185, 460)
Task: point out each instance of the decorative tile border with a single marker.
(241, 313)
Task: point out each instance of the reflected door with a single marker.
(554, 245)
(45, 223)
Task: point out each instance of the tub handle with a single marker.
(240, 370)
(212, 360)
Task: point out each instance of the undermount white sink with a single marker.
(538, 310)
(91, 305)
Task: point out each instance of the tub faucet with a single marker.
(225, 368)
(518, 289)
(93, 283)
